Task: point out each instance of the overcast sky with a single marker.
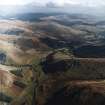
(75, 2)
(60, 2)
(81, 2)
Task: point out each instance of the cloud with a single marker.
(89, 2)
(58, 2)
(78, 2)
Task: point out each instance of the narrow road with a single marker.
(7, 68)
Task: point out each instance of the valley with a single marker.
(52, 59)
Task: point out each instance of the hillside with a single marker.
(52, 59)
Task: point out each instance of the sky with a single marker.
(79, 2)
(15, 2)
(77, 6)
(59, 2)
